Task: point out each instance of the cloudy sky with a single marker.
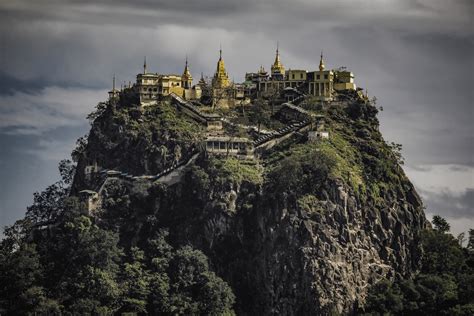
(57, 59)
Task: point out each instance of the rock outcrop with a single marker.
(306, 230)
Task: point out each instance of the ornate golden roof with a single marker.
(277, 66)
(221, 78)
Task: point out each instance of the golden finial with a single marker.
(277, 66)
(321, 62)
(277, 57)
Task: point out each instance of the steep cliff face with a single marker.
(285, 258)
(307, 229)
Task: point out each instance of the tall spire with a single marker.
(144, 65)
(277, 56)
(321, 62)
(220, 51)
(186, 71)
(114, 92)
(186, 78)
(221, 78)
(277, 67)
(202, 82)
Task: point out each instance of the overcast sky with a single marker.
(57, 59)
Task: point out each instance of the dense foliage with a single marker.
(139, 142)
(444, 286)
(58, 260)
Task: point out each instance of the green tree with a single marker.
(84, 265)
(135, 283)
(440, 224)
(193, 288)
(470, 241)
(21, 272)
(445, 285)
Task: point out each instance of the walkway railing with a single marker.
(115, 174)
(282, 132)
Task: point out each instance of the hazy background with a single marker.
(57, 59)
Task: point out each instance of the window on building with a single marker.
(293, 76)
(301, 76)
(325, 76)
(318, 77)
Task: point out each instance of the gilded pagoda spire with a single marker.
(186, 72)
(144, 65)
(186, 78)
(221, 78)
(321, 63)
(277, 67)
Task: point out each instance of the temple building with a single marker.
(221, 78)
(322, 83)
(150, 87)
(114, 92)
(225, 93)
(147, 86)
(278, 71)
(190, 92)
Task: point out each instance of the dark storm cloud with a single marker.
(448, 204)
(10, 84)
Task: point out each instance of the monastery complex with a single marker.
(218, 103)
(323, 84)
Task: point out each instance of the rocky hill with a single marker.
(263, 209)
(304, 228)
